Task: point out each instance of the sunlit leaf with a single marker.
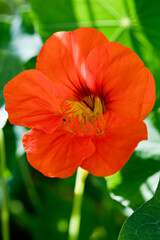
(129, 181)
(144, 223)
(133, 23)
(65, 15)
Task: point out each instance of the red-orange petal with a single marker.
(62, 56)
(32, 101)
(118, 73)
(58, 154)
(114, 147)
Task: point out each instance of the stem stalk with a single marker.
(5, 208)
(75, 219)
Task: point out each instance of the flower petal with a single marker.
(32, 101)
(114, 148)
(58, 154)
(62, 56)
(117, 73)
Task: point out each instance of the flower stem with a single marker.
(4, 210)
(75, 219)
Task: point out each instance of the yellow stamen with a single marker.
(83, 110)
(85, 117)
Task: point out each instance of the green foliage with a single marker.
(144, 224)
(10, 148)
(65, 15)
(4, 7)
(133, 23)
(150, 20)
(44, 208)
(9, 68)
(5, 38)
(155, 116)
(31, 63)
(127, 182)
(27, 22)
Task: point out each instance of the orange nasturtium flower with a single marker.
(85, 103)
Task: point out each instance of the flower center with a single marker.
(86, 114)
(88, 109)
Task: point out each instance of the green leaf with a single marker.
(135, 183)
(132, 23)
(144, 223)
(121, 16)
(10, 149)
(155, 117)
(4, 7)
(5, 37)
(149, 19)
(31, 63)
(9, 68)
(65, 15)
(128, 182)
(10, 6)
(27, 22)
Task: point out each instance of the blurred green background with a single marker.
(40, 207)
